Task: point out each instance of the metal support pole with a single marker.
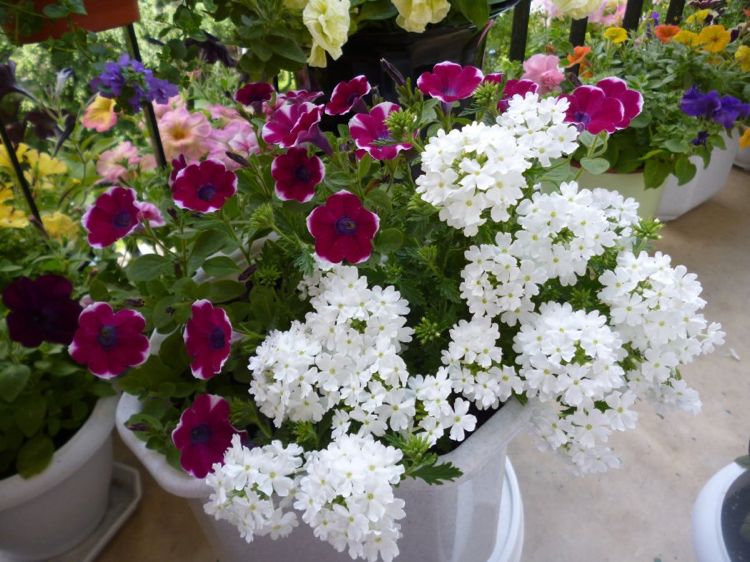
(674, 12)
(633, 12)
(578, 37)
(520, 31)
(151, 121)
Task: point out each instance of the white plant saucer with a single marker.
(509, 537)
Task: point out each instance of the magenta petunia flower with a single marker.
(367, 128)
(494, 78)
(296, 174)
(343, 229)
(114, 215)
(299, 96)
(254, 95)
(178, 164)
(348, 94)
(631, 100)
(516, 87)
(450, 82)
(203, 433)
(109, 342)
(593, 110)
(207, 339)
(204, 187)
(41, 310)
(292, 124)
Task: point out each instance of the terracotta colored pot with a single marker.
(102, 15)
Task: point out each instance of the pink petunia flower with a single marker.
(114, 215)
(299, 96)
(204, 187)
(186, 133)
(544, 70)
(632, 100)
(236, 136)
(151, 214)
(450, 82)
(109, 342)
(254, 95)
(119, 163)
(207, 338)
(609, 13)
(296, 174)
(516, 87)
(100, 115)
(203, 434)
(175, 102)
(343, 229)
(367, 128)
(593, 110)
(348, 94)
(292, 124)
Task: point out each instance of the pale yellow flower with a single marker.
(60, 226)
(10, 217)
(414, 15)
(100, 115)
(714, 38)
(576, 9)
(328, 24)
(742, 56)
(616, 34)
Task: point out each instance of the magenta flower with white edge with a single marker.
(343, 229)
(593, 110)
(204, 187)
(203, 433)
(449, 82)
(367, 128)
(296, 174)
(631, 100)
(292, 124)
(493, 78)
(348, 94)
(254, 95)
(207, 337)
(114, 215)
(178, 164)
(109, 342)
(516, 87)
(299, 96)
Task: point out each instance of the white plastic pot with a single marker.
(50, 513)
(455, 522)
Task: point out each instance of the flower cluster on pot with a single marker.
(324, 316)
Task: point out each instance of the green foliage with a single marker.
(418, 462)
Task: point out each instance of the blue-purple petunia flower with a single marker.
(725, 110)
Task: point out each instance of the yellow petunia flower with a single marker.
(745, 139)
(742, 56)
(100, 115)
(60, 226)
(5, 160)
(700, 16)
(44, 165)
(714, 38)
(10, 217)
(616, 34)
(687, 38)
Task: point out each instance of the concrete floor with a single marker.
(639, 513)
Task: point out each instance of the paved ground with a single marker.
(640, 513)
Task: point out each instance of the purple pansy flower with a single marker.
(114, 215)
(254, 95)
(366, 128)
(203, 434)
(516, 87)
(296, 174)
(207, 339)
(41, 310)
(348, 94)
(631, 100)
(450, 82)
(204, 187)
(343, 229)
(109, 342)
(593, 110)
(292, 124)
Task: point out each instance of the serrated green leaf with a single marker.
(437, 473)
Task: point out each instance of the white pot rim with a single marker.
(470, 457)
(16, 490)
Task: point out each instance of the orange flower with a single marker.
(579, 56)
(665, 32)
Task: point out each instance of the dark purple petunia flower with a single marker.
(701, 138)
(367, 128)
(41, 310)
(212, 50)
(255, 95)
(207, 338)
(343, 229)
(203, 434)
(296, 174)
(348, 94)
(114, 215)
(8, 82)
(593, 110)
(631, 100)
(109, 342)
(450, 82)
(516, 87)
(697, 104)
(204, 187)
(159, 90)
(730, 110)
(292, 124)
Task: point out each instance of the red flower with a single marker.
(346, 94)
(207, 338)
(631, 100)
(593, 110)
(293, 124)
(254, 95)
(450, 82)
(343, 229)
(204, 187)
(516, 87)
(296, 174)
(203, 434)
(366, 128)
(41, 310)
(109, 342)
(114, 215)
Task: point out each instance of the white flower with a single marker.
(460, 421)
(328, 24)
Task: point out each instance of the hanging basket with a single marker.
(101, 15)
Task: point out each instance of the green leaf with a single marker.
(389, 240)
(29, 415)
(35, 456)
(476, 11)
(208, 242)
(677, 146)
(595, 166)
(224, 291)
(437, 473)
(287, 48)
(684, 169)
(377, 10)
(148, 267)
(220, 266)
(655, 172)
(55, 11)
(13, 380)
(587, 139)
